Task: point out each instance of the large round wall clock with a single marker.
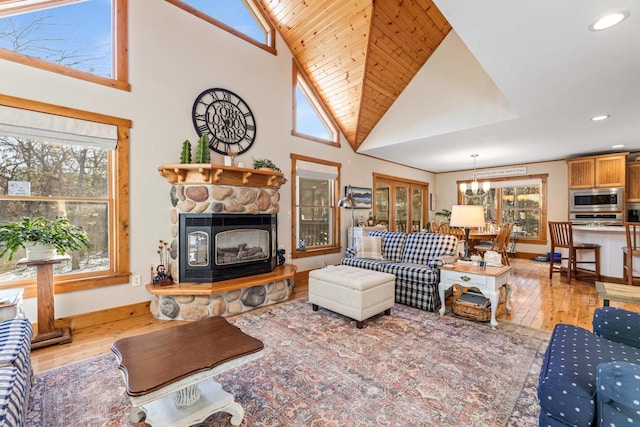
(226, 118)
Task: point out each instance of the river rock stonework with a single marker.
(217, 198)
(213, 198)
(196, 307)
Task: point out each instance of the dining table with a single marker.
(482, 235)
(476, 236)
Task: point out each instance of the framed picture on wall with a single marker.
(362, 195)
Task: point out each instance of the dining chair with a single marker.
(562, 237)
(500, 244)
(436, 226)
(630, 252)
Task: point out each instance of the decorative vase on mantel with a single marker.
(40, 252)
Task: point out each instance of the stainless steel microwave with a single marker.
(596, 200)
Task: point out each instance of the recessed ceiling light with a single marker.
(599, 118)
(617, 146)
(609, 21)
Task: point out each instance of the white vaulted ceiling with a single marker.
(512, 80)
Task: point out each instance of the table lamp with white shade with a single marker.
(467, 216)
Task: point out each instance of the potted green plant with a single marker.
(41, 237)
(265, 164)
(445, 214)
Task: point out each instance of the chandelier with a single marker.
(475, 192)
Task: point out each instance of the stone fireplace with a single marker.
(226, 198)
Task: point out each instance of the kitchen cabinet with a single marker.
(597, 171)
(633, 182)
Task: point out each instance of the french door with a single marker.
(400, 205)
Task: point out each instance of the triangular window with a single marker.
(239, 17)
(311, 120)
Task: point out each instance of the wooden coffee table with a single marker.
(165, 371)
(617, 292)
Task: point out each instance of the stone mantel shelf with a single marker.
(282, 272)
(205, 173)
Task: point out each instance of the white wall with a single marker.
(557, 194)
(173, 56)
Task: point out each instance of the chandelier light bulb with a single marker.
(475, 192)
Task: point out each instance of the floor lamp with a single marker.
(349, 202)
(467, 216)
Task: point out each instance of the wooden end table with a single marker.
(488, 280)
(616, 292)
(47, 334)
(165, 371)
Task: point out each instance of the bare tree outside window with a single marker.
(74, 35)
(64, 180)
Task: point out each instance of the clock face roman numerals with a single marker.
(226, 118)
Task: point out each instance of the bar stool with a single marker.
(562, 237)
(630, 252)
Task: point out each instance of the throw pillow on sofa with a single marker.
(369, 247)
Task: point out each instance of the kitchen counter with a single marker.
(611, 240)
(611, 228)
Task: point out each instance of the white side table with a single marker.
(488, 280)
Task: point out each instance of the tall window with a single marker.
(517, 201)
(311, 119)
(242, 18)
(82, 39)
(63, 162)
(316, 221)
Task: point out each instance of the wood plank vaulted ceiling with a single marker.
(359, 55)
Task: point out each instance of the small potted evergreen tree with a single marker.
(42, 238)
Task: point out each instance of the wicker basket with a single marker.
(477, 313)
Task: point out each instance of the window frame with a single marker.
(542, 238)
(394, 182)
(120, 52)
(335, 228)
(258, 14)
(118, 272)
(321, 110)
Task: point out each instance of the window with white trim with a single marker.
(315, 186)
(67, 165)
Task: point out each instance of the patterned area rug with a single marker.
(412, 368)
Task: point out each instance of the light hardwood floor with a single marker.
(536, 302)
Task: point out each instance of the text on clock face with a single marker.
(226, 122)
(226, 118)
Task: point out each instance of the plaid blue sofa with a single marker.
(414, 259)
(592, 379)
(15, 370)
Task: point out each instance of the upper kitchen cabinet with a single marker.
(597, 171)
(633, 182)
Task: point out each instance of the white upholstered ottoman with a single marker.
(353, 292)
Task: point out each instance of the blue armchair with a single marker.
(592, 379)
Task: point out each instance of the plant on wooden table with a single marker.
(59, 233)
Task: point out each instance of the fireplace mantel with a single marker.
(205, 173)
